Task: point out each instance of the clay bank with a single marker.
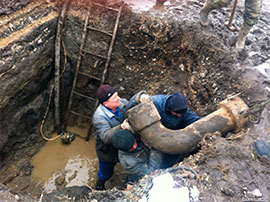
(54, 56)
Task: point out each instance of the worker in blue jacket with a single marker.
(174, 112)
(109, 117)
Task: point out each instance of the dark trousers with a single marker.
(169, 160)
(106, 169)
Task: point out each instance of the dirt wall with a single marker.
(26, 46)
(161, 52)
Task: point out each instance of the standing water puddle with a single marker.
(59, 165)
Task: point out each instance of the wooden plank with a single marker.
(94, 54)
(106, 65)
(57, 66)
(78, 114)
(98, 30)
(88, 75)
(109, 55)
(110, 8)
(85, 96)
(78, 63)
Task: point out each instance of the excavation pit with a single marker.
(160, 51)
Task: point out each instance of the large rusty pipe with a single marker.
(145, 120)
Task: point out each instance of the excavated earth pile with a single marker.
(160, 51)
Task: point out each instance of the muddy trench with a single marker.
(158, 50)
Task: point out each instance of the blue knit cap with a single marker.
(176, 103)
(123, 140)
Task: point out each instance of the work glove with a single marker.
(126, 126)
(142, 97)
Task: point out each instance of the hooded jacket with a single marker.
(170, 121)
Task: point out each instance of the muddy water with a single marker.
(59, 165)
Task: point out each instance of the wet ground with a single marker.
(74, 164)
(68, 164)
(227, 167)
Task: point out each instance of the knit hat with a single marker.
(104, 92)
(176, 103)
(123, 140)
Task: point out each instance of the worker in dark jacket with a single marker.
(134, 156)
(109, 117)
(174, 112)
(251, 16)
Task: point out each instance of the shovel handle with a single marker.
(232, 14)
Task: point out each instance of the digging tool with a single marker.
(229, 24)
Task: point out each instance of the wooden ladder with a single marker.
(82, 51)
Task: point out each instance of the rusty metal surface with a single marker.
(144, 119)
(143, 115)
(238, 108)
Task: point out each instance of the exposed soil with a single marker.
(161, 54)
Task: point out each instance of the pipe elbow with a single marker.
(145, 120)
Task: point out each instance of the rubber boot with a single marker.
(100, 184)
(241, 39)
(204, 20)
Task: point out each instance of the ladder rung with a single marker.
(98, 30)
(90, 98)
(78, 114)
(97, 55)
(88, 75)
(110, 8)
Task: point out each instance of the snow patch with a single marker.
(164, 189)
(264, 68)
